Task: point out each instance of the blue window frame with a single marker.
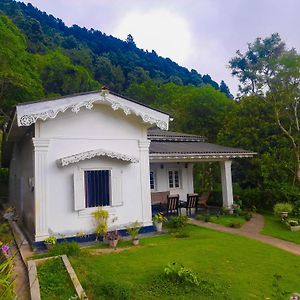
(97, 188)
(152, 180)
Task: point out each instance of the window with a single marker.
(97, 188)
(152, 180)
(174, 179)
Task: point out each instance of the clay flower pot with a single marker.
(135, 242)
(158, 226)
(113, 243)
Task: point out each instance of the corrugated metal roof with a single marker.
(162, 135)
(193, 148)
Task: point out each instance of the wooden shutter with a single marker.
(79, 191)
(117, 192)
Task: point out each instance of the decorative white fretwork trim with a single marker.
(95, 153)
(103, 97)
(199, 157)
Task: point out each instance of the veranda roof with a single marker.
(166, 145)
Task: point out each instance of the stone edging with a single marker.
(34, 281)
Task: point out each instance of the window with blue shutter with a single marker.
(97, 188)
(152, 180)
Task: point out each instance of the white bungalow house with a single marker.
(70, 155)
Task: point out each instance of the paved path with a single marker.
(252, 230)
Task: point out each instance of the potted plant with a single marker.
(50, 242)
(158, 220)
(101, 218)
(112, 237)
(133, 231)
(282, 209)
(293, 225)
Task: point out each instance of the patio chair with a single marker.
(203, 199)
(190, 204)
(158, 201)
(172, 206)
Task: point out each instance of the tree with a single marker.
(60, 76)
(270, 173)
(225, 89)
(139, 75)
(19, 79)
(130, 40)
(108, 74)
(272, 72)
(255, 67)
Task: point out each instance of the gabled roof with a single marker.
(29, 113)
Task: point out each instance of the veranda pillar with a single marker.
(227, 193)
(145, 182)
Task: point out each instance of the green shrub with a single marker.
(101, 217)
(213, 219)
(6, 278)
(178, 223)
(253, 197)
(178, 272)
(296, 209)
(67, 248)
(248, 216)
(215, 198)
(134, 229)
(235, 224)
(282, 207)
(204, 217)
(5, 233)
(51, 240)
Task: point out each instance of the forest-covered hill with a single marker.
(109, 60)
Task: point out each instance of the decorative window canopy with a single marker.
(64, 161)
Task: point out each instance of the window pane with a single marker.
(152, 185)
(171, 185)
(97, 188)
(176, 178)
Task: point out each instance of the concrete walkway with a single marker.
(252, 230)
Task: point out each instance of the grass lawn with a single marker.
(226, 220)
(229, 267)
(275, 228)
(55, 282)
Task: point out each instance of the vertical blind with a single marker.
(97, 188)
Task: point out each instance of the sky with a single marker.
(198, 34)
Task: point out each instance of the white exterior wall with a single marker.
(21, 193)
(99, 128)
(162, 178)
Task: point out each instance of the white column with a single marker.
(40, 188)
(145, 182)
(226, 183)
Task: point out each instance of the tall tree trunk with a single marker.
(298, 166)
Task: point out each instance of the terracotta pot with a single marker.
(113, 243)
(158, 226)
(135, 241)
(48, 245)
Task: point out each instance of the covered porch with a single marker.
(173, 156)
